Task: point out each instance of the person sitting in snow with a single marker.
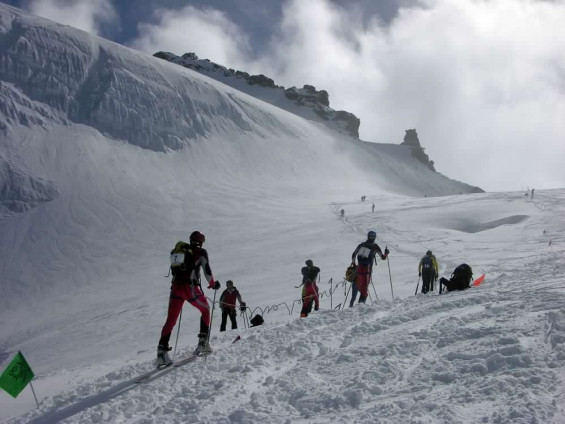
(310, 289)
(366, 255)
(460, 279)
(227, 304)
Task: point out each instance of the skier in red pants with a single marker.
(366, 253)
(310, 289)
(186, 262)
(227, 304)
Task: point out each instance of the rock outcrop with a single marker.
(312, 103)
(411, 140)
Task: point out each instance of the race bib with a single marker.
(364, 255)
(177, 259)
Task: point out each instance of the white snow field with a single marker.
(108, 157)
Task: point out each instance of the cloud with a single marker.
(203, 31)
(483, 82)
(88, 15)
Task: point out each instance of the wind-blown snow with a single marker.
(106, 180)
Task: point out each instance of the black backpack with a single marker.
(463, 274)
(310, 273)
(427, 263)
(257, 320)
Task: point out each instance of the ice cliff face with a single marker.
(51, 72)
(306, 101)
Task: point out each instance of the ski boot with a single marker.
(203, 347)
(163, 359)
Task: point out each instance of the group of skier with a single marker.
(362, 260)
(189, 259)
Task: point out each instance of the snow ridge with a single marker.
(306, 102)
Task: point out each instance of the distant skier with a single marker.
(309, 289)
(227, 304)
(186, 262)
(532, 193)
(365, 254)
(342, 212)
(428, 270)
(373, 208)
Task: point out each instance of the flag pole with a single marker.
(35, 397)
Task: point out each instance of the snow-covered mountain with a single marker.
(109, 156)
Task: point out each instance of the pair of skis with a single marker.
(165, 369)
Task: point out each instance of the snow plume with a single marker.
(204, 30)
(479, 80)
(88, 15)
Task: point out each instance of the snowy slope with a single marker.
(78, 108)
(109, 156)
(495, 353)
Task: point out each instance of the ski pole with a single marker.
(178, 331)
(242, 314)
(331, 294)
(374, 289)
(390, 276)
(417, 285)
(210, 327)
(346, 294)
(247, 318)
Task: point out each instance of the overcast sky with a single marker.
(483, 82)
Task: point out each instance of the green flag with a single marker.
(15, 378)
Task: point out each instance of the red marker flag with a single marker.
(479, 280)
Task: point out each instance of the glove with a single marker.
(242, 307)
(214, 285)
(387, 251)
(420, 274)
(316, 308)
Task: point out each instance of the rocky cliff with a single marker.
(411, 140)
(306, 101)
